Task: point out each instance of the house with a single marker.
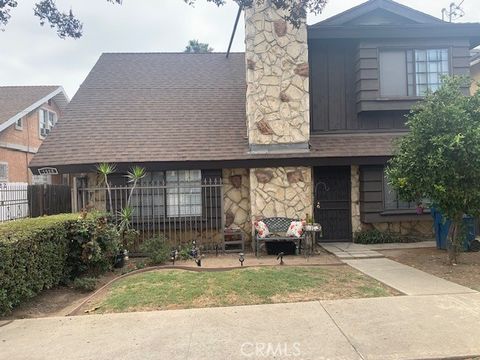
(300, 124)
(27, 114)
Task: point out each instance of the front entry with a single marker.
(332, 202)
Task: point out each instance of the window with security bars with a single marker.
(392, 201)
(412, 72)
(148, 199)
(184, 193)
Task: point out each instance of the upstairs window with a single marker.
(19, 124)
(412, 72)
(47, 120)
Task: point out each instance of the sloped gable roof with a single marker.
(18, 101)
(142, 107)
(371, 6)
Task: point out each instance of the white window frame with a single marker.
(412, 73)
(19, 124)
(50, 123)
(175, 198)
(5, 178)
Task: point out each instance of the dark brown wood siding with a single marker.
(345, 86)
(333, 94)
(371, 199)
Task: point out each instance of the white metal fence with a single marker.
(13, 201)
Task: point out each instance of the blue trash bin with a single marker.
(442, 227)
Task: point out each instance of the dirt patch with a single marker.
(433, 261)
(59, 301)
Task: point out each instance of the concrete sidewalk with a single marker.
(406, 327)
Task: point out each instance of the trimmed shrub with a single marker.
(86, 284)
(374, 236)
(156, 249)
(40, 253)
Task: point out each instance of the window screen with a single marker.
(393, 73)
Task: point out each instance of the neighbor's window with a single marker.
(412, 72)
(19, 124)
(184, 193)
(391, 199)
(47, 121)
(3, 172)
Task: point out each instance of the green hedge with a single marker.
(40, 253)
(374, 236)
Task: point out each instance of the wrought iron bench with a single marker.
(278, 227)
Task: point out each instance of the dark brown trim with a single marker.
(468, 31)
(379, 218)
(245, 163)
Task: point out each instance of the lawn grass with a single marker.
(174, 289)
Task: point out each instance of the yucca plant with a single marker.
(135, 174)
(104, 170)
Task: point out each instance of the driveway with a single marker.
(404, 327)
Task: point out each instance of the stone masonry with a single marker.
(355, 194)
(236, 195)
(282, 191)
(277, 78)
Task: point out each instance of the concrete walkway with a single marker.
(404, 327)
(349, 250)
(406, 279)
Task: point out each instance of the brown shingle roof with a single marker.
(171, 107)
(153, 107)
(15, 99)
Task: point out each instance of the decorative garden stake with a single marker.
(280, 256)
(241, 258)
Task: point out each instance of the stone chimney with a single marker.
(278, 118)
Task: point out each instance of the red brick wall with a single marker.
(29, 136)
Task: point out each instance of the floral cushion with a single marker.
(262, 229)
(296, 229)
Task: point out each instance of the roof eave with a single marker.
(32, 107)
(470, 31)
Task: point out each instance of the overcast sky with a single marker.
(34, 55)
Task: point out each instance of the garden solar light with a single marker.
(280, 256)
(173, 256)
(241, 258)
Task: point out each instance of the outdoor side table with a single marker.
(311, 231)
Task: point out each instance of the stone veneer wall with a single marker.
(236, 195)
(277, 77)
(282, 191)
(421, 229)
(355, 196)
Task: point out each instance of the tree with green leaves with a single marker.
(439, 159)
(67, 24)
(196, 47)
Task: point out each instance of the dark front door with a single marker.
(332, 202)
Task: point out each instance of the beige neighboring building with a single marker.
(27, 115)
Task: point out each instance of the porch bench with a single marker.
(278, 227)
